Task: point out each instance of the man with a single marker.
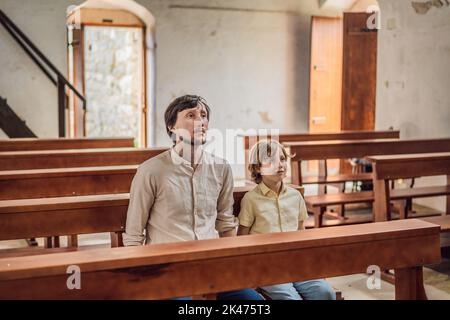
(184, 193)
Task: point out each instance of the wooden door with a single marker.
(359, 73)
(325, 75)
(325, 81)
(78, 81)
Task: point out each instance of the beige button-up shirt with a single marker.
(170, 201)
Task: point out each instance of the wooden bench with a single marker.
(391, 167)
(42, 183)
(189, 268)
(74, 215)
(250, 140)
(441, 221)
(354, 149)
(50, 217)
(51, 159)
(317, 204)
(29, 144)
(344, 149)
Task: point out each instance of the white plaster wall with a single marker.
(251, 65)
(413, 75)
(28, 91)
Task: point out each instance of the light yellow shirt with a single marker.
(263, 211)
(170, 201)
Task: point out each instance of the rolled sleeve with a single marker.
(303, 212)
(141, 200)
(246, 215)
(226, 221)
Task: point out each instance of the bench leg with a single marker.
(48, 242)
(409, 284)
(381, 205)
(32, 242)
(402, 207)
(318, 215)
(296, 172)
(56, 241)
(72, 241)
(116, 239)
(448, 197)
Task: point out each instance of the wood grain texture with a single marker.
(23, 160)
(200, 267)
(29, 144)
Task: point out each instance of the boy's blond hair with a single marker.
(262, 150)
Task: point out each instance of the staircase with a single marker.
(11, 124)
(9, 121)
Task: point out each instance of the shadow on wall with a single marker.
(298, 85)
(410, 130)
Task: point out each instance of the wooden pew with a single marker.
(50, 159)
(47, 183)
(344, 149)
(63, 182)
(49, 217)
(441, 221)
(29, 144)
(317, 204)
(353, 149)
(391, 167)
(163, 271)
(251, 140)
(52, 217)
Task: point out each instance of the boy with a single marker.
(274, 207)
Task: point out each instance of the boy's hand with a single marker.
(301, 225)
(229, 233)
(243, 230)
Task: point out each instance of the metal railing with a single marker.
(52, 73)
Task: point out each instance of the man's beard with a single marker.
(194, 142)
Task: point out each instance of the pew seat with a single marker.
(34, 251)
(48, 217)
(442, 221)
(317, 204)
(338, 178)
(203, 267)
(74, 215)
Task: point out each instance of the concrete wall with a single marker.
(414, 75)
(413, 70)
(29, 93)
(249, 59)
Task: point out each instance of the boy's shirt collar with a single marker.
(267, 191)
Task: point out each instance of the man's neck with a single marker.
(190, 153)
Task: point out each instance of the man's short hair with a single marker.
(188, 101)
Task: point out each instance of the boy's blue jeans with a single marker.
(307, 290)
(244, 294)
